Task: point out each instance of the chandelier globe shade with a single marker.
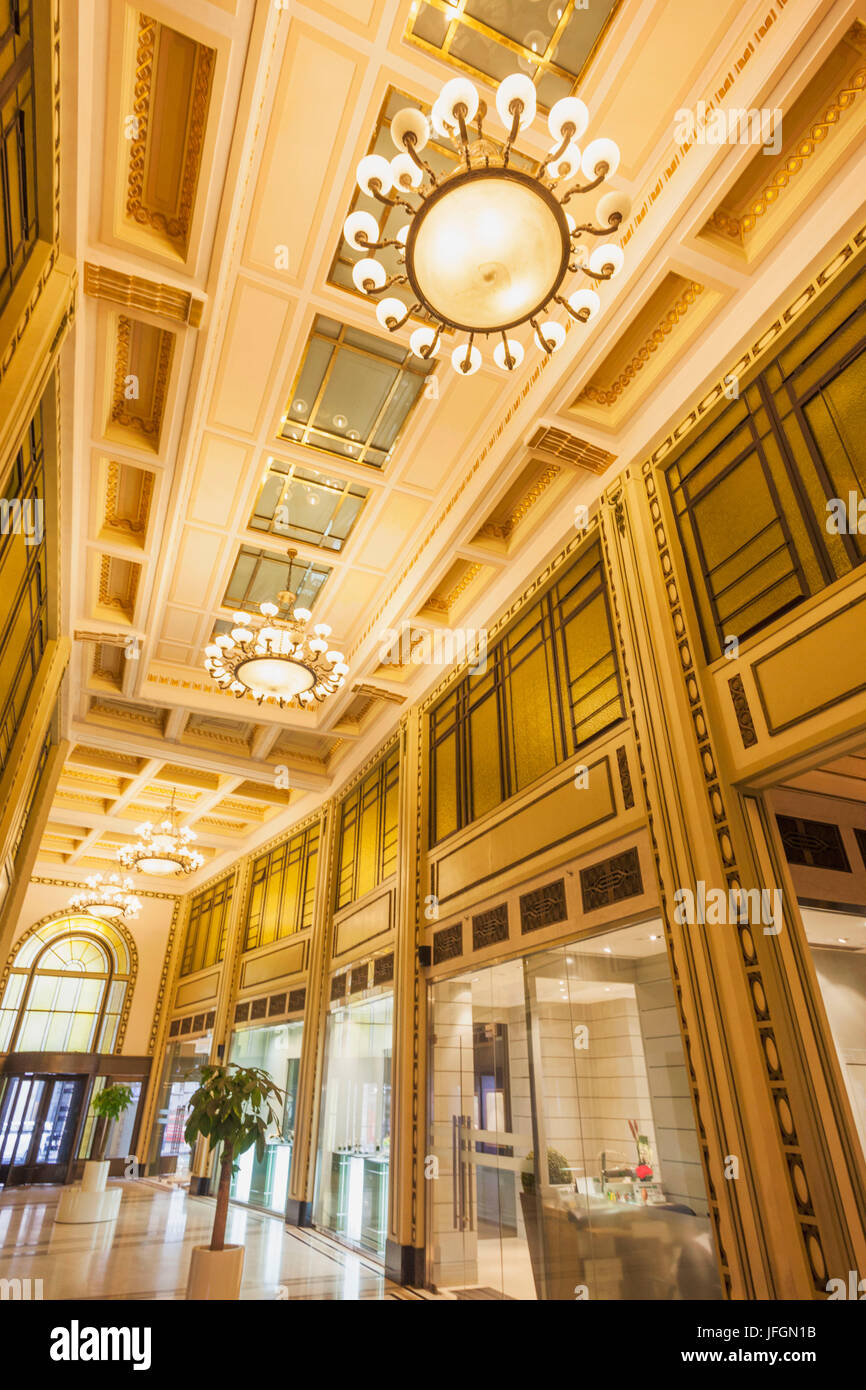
(275, 657)
(488, 247)
(110, 898)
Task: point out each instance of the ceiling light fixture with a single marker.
(163, 848)
(108, 898)
(488, 247)
(272, 657)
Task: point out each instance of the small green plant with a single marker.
(233, 1107)
(558, 1170)
(109, 1104)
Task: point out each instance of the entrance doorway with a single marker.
(39, 1119)
(561, 1121)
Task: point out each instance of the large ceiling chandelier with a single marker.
(109, 898)
(488, 247)
(163, 848)
(273, 657)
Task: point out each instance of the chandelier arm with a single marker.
(460, 111)
(409, 142)
(586, 187)
(467, 360)
(392, 324)
(429, 349)
(377, 245)
(545, 342)
(581, 316)
(510, 362)
(569, 128)
(392, 280)
(376, 190)
(600, 276)
(512, 134)
(610, 230)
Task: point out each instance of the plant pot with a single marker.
(215, 1274)
(94, 1176)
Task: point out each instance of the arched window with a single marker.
(66, 988)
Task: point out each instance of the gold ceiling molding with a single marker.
(125, 359)
(112, 518)
(137, 293)
(739, 227)
(77, 883)
(503, 530)
(177, 227)
(118, 583)
(83, 749)
(73, 775)
(609, 395)
(125, 715)
(99, 667)
(377, 693)
(572, 449)
(443, 603)
(762, 344)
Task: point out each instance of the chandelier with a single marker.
(273, 657)
(108, 898)
(163, 848)
(488, 247)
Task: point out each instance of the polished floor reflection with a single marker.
(145, 1253)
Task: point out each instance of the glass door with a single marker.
(355, 1124)
(39, 1119)
(481, 1134)
(567, 1164)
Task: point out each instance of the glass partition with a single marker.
(170, 1155)
(355, 1124)
(276, 1050)
(837, 941)
(567, 1163)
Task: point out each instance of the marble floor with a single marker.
(145, 1253)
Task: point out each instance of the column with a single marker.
(781, 1194)
(299, 1210)
(404, 1255)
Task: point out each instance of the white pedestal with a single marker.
(95, 1175)
(76, 1204)
(215, 1274)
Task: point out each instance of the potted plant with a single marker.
(91, 1200)
(233, 1107)
(107, 1105)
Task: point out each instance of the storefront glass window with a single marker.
(276, 1050)
(575, 1054)
(170, 1155)
(355, 1125)
(837, 941)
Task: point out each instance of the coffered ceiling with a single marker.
(229, 394)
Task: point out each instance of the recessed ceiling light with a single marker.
(607, 950)
(653, 938)
(843, 939)
(299, 407)
(340, 421)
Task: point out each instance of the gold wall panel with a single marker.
(833, 652)
(356, 927)
(552, 817)
(288, 960)
(196, 991)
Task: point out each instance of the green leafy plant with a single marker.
(558, 1170)
(233, 1107)
(109, 1104)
